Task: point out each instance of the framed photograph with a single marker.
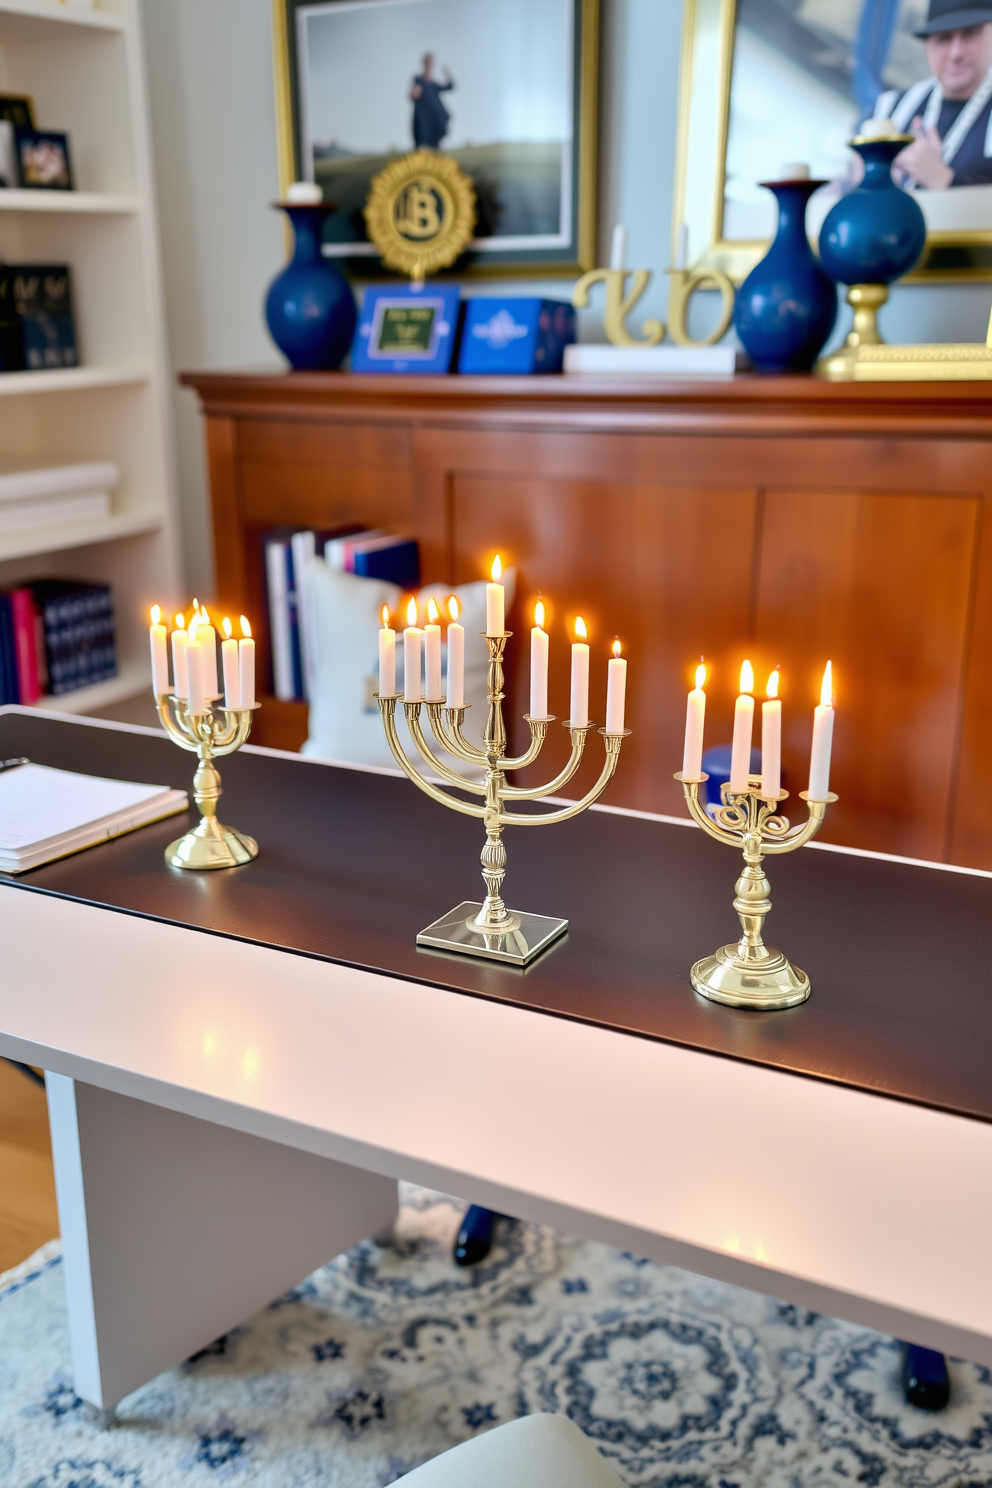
(509, 90)
(43, 160)
(769, 82)
(17, 109)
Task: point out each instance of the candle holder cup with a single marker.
(751, 974)
(488, 929)
(209, 735)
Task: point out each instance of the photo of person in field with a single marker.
(430, 117)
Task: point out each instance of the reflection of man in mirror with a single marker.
(950, 112)
(430, 117)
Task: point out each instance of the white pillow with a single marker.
(345, 609)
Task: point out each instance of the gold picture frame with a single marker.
(580, 252)
(705, 78)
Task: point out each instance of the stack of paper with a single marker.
(46, 813)
(57, 495)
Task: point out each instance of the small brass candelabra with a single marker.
(490, 929)
(209, 735)
(751, 974)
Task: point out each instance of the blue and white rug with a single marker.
(386, 1357)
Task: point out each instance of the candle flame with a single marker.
(616, 647)
(204, 617)
(497, 569)
(747, 677)
(180, 621)
(453, 610)
(196, 606)
(156, 614)
(432, 611)
(827, 689)
(580, 628)
(245, 629)
(700, 676)
(539, 614)
(411, 611)
(227, 627)
(772, 689)
(384, 616)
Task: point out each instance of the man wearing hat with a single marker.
(950, 112)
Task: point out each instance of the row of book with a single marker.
(370, 553)
(37, 327)
(56, 635)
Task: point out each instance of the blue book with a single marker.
(397, 563)
(10, 691)
(503, 333)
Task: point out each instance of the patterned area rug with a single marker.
(386, 1357)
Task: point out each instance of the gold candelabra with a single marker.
(209, 735)
(751, 974)
(490, 929)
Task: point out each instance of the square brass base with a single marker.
(455, 932)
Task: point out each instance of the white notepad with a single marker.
(46, 813)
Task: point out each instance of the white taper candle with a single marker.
(740, 756)
(771, 740)
(456, 658)
(540, 644)
(387, 657)
(157, 636)
(616, 690)
(695, 715)
(823, 734)
(578, 707)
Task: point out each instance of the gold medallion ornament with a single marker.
(420, 213)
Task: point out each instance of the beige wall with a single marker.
(213, 127)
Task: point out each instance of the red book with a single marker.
(25, 645)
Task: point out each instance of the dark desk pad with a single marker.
(352, 865)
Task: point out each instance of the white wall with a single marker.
(213, 126)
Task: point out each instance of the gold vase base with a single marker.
(456, 931)
(211, 845)
(773, 982)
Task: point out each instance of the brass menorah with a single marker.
(490, 929)
(209, 735)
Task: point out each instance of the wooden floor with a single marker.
(28, 1216)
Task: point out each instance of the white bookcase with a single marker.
(84, 71)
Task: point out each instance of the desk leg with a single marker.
(175, 1229)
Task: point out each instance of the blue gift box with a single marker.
(407, 328)
(504, 334)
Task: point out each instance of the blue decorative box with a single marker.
(504, 334)
(407, 328)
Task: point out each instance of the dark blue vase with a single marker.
(877, 231)
(310, 309)
(787, 305)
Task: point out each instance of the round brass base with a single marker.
(211, 845)
(765, 984)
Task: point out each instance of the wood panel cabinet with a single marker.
(783, 519)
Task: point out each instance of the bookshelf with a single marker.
(84, 70)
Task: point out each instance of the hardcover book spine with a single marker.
(9, 689)
(22, 611)
(279, 633)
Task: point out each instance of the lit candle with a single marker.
(618, 248)
(195, 699)
(578, 708)
(387, 657)
(616, 690)
(206, 639)
(180, 640)
(229, 662)
(246, 668)
(160, 653)
(432, 653)
(494, 602)
(771, 740)
(823, 734)
(412, 692)
(539, 644)
(695, 714)
(456, 657)
(740, 758)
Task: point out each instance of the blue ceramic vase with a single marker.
(877, 231)
(310, 309)
(787, 305)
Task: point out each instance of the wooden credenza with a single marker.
(784, 519)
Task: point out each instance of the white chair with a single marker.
(534, 1452)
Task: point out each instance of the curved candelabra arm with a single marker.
(698, 813)
(538, 733)
(814, 821)
(387, 707)
(446, 773)
(451, 738)
(613, 743)
(174, 726)
(524, 793)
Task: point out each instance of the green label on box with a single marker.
(406, 328)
